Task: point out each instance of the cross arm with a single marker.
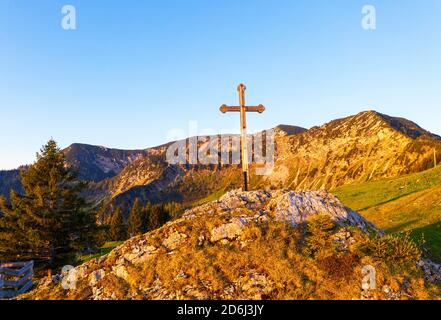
(260, 108)
(224, 108)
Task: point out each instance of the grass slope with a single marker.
(105, 249)
(408, 203)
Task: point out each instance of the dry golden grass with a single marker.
(275, 251)
(270, 250)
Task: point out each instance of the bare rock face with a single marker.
(206, 227)
(432, 271)
(293, 208)
(297, 207)
(359, 148)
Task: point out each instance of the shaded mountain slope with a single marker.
(95, 163)
(10, 180)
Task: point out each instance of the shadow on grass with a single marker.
(401, 227)
(432, 236)
(105, 249)
(379, 204)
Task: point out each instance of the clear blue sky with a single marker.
(133, 70)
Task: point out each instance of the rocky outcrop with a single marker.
(297, 207)
(228, 231)
(173, 240)
(240, 247)
(432, 270)
(225, 221)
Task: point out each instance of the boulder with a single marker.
(173, 240)
(228, 231)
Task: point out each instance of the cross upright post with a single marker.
(243, 109)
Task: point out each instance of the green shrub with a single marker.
(320, 229)
(393, 248)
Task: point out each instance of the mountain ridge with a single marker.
(362, 147)
(96, 163)
(367, 145)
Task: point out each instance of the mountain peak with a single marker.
(289, 129)
(96, 163)
(402, 125)
(369, 112)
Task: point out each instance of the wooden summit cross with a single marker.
(243, 130)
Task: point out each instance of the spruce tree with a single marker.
(145, 217)
(157, 216)
(117, 230)
(51, 221)
(135, 221)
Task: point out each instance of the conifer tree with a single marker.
(157, 216)
(51, 221)
(145, 217)
(135, 221)
(118, 230)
